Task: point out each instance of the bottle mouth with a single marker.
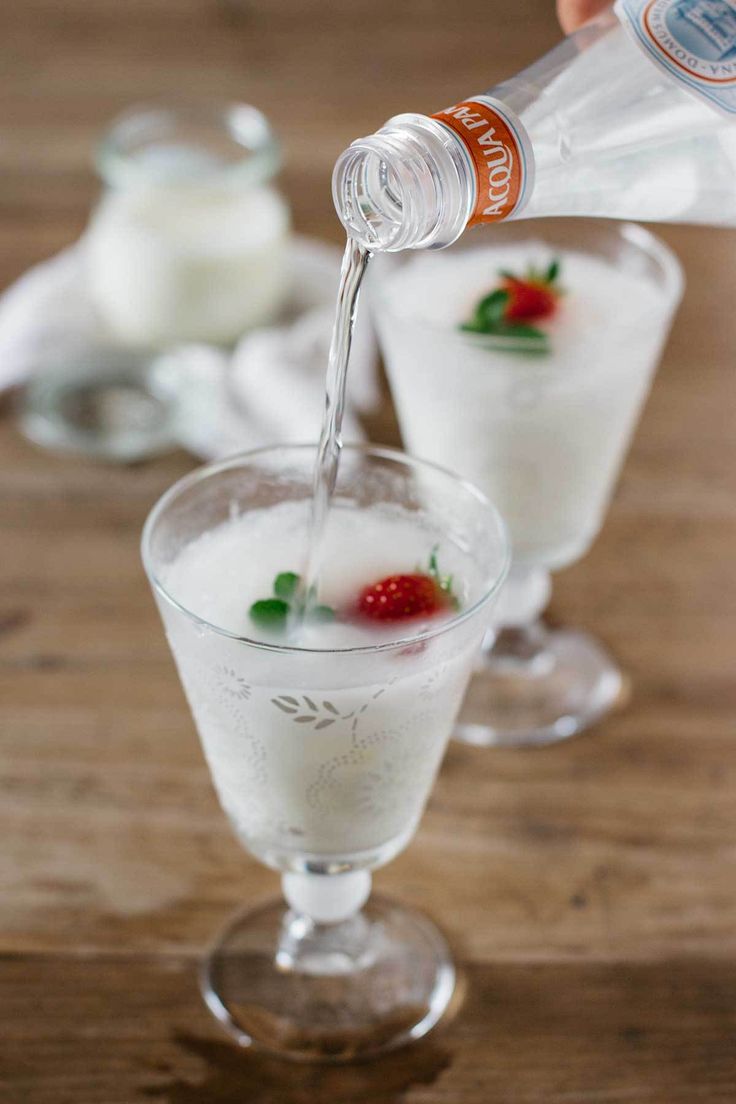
(372, 196)
(405, 187)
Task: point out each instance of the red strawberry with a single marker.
(529, 299)
(513, 309)
(402, 598)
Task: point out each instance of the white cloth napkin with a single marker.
(41, 314)
(270, 389)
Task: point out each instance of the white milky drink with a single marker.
(323, 748)
(171, 264)
(190, 241)
(543, 435)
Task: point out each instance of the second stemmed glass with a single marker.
(323, 756)
(543, 435)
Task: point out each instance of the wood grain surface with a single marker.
(589, 890)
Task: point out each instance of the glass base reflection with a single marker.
(282, 982)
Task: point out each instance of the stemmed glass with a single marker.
(543, 435)
(323, 760)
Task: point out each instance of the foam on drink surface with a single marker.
(219, 575)
(442, 290)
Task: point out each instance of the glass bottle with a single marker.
(609, 123)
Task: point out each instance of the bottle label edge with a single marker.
(655, 34)
(500, 151)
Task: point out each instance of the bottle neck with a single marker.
(409, 186)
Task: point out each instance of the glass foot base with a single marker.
(536, 686)
(329, 992)
(103, 403)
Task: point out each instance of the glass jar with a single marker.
(189, 242)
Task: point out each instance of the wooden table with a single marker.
(589, 890)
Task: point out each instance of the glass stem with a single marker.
(524, 597)
(522, 651)
(325, 932)
(327, 898)
(517, 640)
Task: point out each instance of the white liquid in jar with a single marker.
(188, 262)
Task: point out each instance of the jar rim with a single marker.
(182, 144)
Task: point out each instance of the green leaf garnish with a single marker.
(270, 613)
(444, 582)
(535, 341)
(274, 613)
(489, 316)
(532, 333)
(434, 562)
(285, 585)
(489, 311)
(322, 614)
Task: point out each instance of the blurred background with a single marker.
(322, 74)
(322, 71)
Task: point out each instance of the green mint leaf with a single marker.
(506, 274)
(433, 564)
(532, 349)
(489, 318)
(534, 340)
(553, 271)
(490, 310)
(322, 614)
(488, 314)
(444, 582)
(271, 613)
(521, 329)
(285, 585)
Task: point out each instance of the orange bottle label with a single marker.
(500, 152)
